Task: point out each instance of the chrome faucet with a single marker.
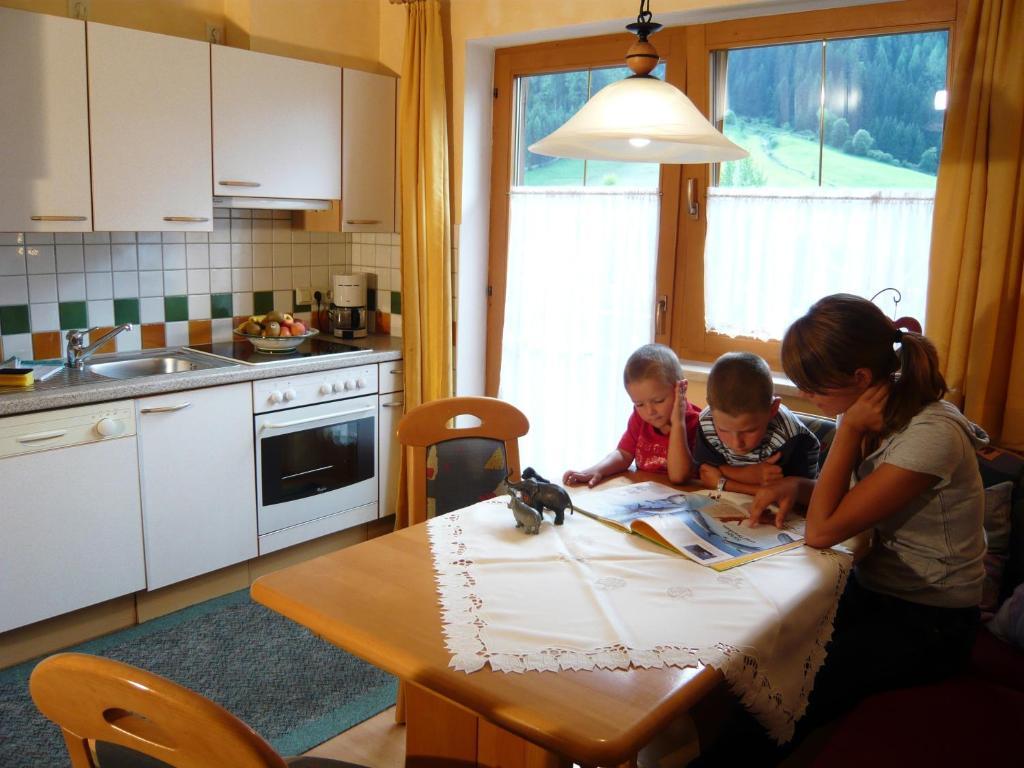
(78, 353)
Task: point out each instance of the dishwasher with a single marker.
(69, 510)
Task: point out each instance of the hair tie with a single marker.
(899, 337)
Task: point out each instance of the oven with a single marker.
(316, 454)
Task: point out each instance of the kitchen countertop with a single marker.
(379, 349)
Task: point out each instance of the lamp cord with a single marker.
(645, 14)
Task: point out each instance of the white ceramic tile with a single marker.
(262, 231)
(383, 279)
(241, 279)
(151, 257)
(12, 238)
(129, 341)
(174, 256)
(319, 278)
(262, 279)
(122, 237)
(282, 231)
(13, 290)
(44, 317)
(262, 255)
(176, 333)
(39, 238)
(241, 213)
(42, 288)
(284, 301)
(222, 213)
(300, 277)
(151, 283)
(199, 307)
(197, 237)
(396, 238)
(220, 255)
(151, 310)
(71, 286)
(97, 258)
(126, 285)
(241, 231)
(262, 213)
(172, 237)
(282, 254)
(338, 237)
(40, 259)
(300, 255)
(95, 237)
(101, 313)
(241, 255)
(19, 344)
(70, 258)
(300, 236)
(282, 278)
(12, 260)
(396, 280)
(99, 285)
(175, 282)
(124, 257)
(336, 254)
(396, 325)
(318, 255)
(242, 303)
(67, 238)
(149, 237)
(221, 328)
(221, 231)
(318, 237)
(220, 280)
(198, 281)
(197, 256)
(283, 215)
(395, 259)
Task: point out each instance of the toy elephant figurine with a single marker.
(527, 518)
(544, 495)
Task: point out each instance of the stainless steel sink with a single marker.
(146, 366)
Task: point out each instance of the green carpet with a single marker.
(294, 689)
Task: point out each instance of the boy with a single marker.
(747, 438)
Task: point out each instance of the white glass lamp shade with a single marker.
(643, 120)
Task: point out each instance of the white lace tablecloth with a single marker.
(584, 596)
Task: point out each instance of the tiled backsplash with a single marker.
(178, 288)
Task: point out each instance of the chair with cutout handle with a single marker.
(114, 715)
(449, 465)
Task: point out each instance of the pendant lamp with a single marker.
(640, 119)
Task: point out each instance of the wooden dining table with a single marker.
(378, 600)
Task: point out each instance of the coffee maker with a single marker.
(348, 306)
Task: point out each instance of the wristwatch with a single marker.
(721, 484)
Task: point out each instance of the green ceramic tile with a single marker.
(126, 311)
(396, 302)
(371, 299)
(175, 308)
(14, 319)
(262, 302)
(220, 305)
(73, 314)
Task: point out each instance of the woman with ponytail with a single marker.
(902, 464)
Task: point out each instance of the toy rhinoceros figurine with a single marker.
(542, 495)
(527, 518)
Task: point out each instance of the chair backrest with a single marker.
(93, 698)
(464, 463)
(823, 428)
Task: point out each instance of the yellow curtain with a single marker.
(426, 217)
(975, 294)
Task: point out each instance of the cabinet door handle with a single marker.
(233, 183)
(362, 221)
(165, 408)
(59, 218)
(398, 404)
(185, 218)
(42, 436)
(397, 372)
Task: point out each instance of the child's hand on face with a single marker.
(867, 414)
(679, 405)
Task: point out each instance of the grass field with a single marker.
(566, 172)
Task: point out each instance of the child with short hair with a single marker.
(662, 428)
(747, 438)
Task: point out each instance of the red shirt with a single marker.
(649, 446)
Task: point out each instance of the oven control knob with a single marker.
(289, 395)
(326, 388)
(108, 427)
(276, 397)
(339, 387)
(349, 384)
(361, 383)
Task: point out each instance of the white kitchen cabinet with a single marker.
(368, 152)
(276, 123)
(149, 99)
(44, 124)
(198, 480)
(392, 407)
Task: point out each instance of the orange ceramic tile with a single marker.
(45, 345)
(200, 331)
(153, 336)
(110, 346)
(383, 322)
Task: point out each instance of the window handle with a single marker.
(692, 206)
(660, 312)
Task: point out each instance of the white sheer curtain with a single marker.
(579, 300)
(771, 253)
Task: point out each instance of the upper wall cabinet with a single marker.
(276, 123)
(149, 101)
(368, 153)
(44, 130)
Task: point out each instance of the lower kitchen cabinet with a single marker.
(392, 407)
(198, 479)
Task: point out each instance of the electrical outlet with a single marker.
(78, 9)
(214, 33)
(303, 296)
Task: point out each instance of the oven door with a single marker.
(315, 461)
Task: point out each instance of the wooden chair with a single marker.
(124, 711)
(467, 455)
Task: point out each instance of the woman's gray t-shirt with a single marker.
(932, 551)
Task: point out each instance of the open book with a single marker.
(703, 528)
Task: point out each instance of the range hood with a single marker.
(276, 203)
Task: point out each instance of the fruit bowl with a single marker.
(277, 343)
